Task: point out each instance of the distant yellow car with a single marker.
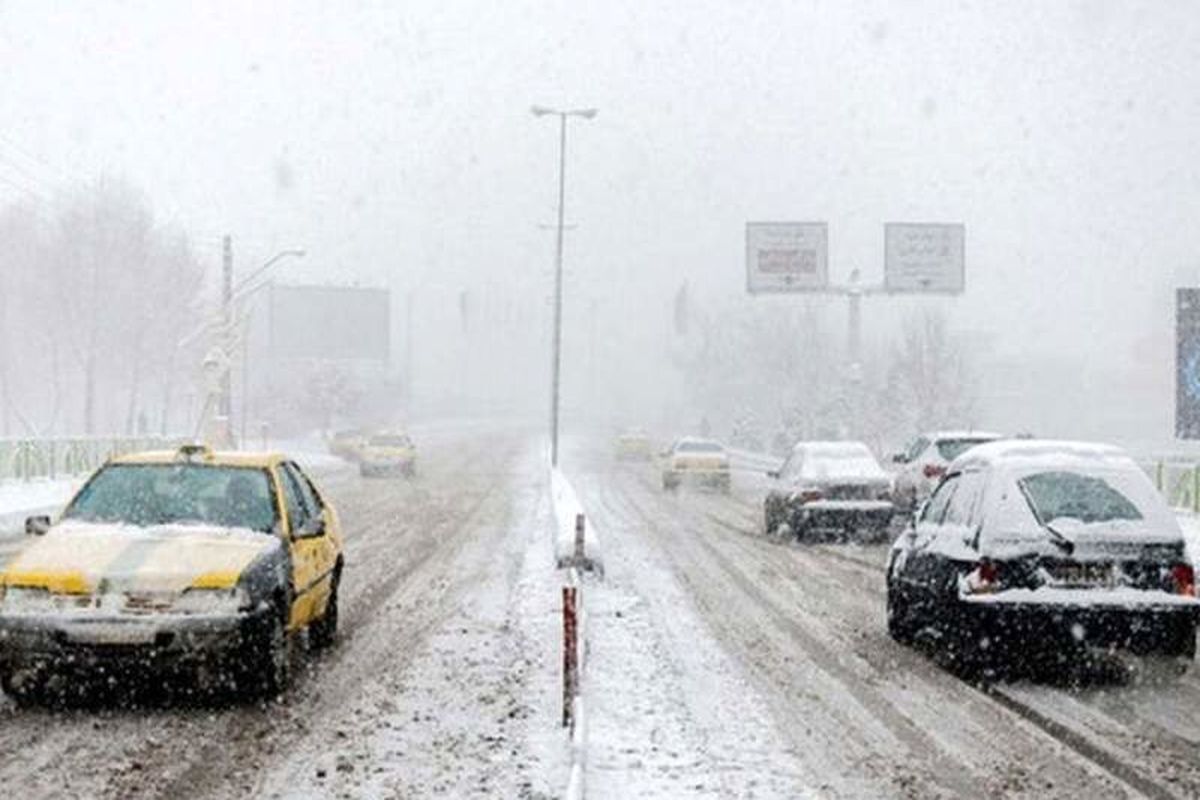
(633, 446)
(695, 461)
(173, 560)
(388, 454)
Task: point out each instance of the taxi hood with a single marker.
(84, 558)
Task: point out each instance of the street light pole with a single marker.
(229, 295)
(556, 363)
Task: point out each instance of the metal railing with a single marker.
(1178, 481)
(27, 459)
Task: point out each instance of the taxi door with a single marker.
(311, 549)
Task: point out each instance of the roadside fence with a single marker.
(1178, 481)
(28, 459)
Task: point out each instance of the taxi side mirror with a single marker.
(37, 525)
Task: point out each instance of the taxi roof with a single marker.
(219, 458)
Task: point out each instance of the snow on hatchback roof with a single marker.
(1033, 452)
(939, 435)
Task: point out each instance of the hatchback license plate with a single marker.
(1083, 574)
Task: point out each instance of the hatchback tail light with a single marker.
(1184, 577)
(934, 471)
(810, 495)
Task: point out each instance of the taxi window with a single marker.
(308, 496)
(293, 500)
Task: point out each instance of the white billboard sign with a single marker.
(787, 256)
(924, 257)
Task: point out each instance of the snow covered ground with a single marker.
(19, 499)
(721, 664)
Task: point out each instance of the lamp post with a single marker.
(584, 113)
(231, 294)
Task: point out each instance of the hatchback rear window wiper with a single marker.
(1062, 542)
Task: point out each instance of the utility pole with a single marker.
(556, 364)
(225, 408)
(558, 281)
(409, 305)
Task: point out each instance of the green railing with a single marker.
(1179, 483)
(27, 459)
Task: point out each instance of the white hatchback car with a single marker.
(924, 462)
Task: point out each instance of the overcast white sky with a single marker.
(394, 142)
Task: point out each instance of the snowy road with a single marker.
(444, 610)
(721, 664)
(848, 712)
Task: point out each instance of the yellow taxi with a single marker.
(633, 445)
(388, 453)
(195, 560)
(695, 461)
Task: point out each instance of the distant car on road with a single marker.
(829, 488)
(171, 561)
(388, 454)
(924, 462)
(696, 461)
(633, 445)
(1034, 547)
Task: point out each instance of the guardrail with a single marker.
(1178, 482)
(27, 459)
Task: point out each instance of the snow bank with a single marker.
(566, 509)
(19, 499)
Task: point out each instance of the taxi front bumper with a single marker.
(60, 642)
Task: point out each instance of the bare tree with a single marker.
(929, 383)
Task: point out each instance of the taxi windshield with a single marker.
(164, 494)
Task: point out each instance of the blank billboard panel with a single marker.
(330, 322)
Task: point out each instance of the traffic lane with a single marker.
(1128, 716)
(814, 639)
(165, 748)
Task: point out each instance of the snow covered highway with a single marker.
(722, 664)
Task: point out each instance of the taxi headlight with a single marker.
(29, 600)
(211, 601)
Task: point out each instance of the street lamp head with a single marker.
(586, 113)
(541, 111)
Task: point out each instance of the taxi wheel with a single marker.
(24, 693)
(323, 632)
(267, 667)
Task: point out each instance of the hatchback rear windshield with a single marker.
(951, 449)
(165, 494)
(1071, 495)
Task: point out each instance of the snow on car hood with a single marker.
(82, 558)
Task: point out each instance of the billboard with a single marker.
(1187, 363)
(924, 257)
(787, 256)
(334, 323)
